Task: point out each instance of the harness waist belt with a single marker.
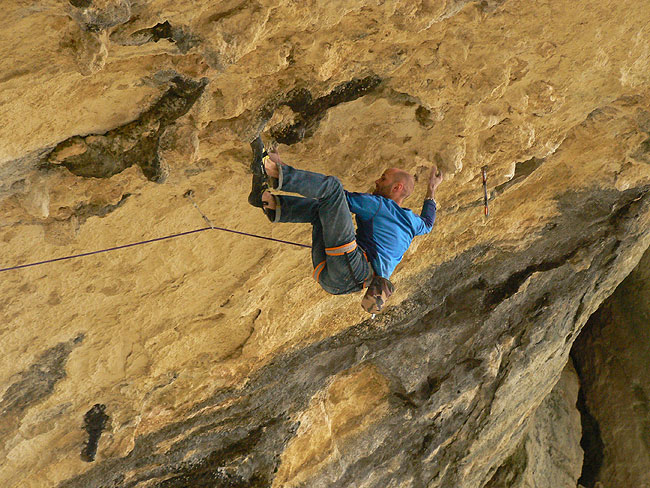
(344, 250)
(341, 250)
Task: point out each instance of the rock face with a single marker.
(613, 356)
(213, 359)
(550, 453)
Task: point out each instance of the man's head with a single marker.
(395, 184)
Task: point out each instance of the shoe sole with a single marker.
(260, 178)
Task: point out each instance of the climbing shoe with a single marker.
(260, 178)
(270, 214)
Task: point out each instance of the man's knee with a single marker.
(333, 185)
(321, 276)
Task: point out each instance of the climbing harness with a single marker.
(345, 251)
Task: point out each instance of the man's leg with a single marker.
(344, 265)
(333, 209)
(284, 208)
(302, 210)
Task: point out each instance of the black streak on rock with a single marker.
(81, 3)
(217, 469)
(34, 385)
(94, 423)
(136, 143)
(310, 112)
(181, 36)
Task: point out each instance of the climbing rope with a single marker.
(124, 246)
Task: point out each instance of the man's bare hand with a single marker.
(435, 178)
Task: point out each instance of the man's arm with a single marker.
(428, 213)
(435, 178)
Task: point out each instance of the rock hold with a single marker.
(136, 143)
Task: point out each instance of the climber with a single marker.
(384, 229)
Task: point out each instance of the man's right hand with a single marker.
(435, 178)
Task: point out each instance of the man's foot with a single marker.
(268, 201)
(271, 162)
(269, 204)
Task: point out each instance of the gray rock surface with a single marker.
(550, 453)
(612, 355)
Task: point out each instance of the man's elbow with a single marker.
(428, 223)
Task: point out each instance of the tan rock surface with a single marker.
(185, 340)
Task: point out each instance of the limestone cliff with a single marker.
(550, 452)
(613, 356)
(214, 359)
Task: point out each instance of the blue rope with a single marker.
(148, 242)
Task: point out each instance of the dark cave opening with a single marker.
(612, 356)
(591, 441)
(582, 355)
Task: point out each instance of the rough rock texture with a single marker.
(550, 453)
(613, 357)
(213, 359)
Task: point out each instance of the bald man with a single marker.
(346, 261)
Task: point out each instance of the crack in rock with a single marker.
(522, 171)
(136, 143)
(642, 154)
(81, 3)
(181, 36)
(591, 443)
(86, 210)
(423, 116)
(514, 282)
(512, 468)
(100, 18)
(310, 112)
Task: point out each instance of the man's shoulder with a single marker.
(363, 197)
(361, 194)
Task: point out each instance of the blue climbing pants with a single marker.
(340, 266)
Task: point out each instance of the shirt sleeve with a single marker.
(363, 205)
(427, 218)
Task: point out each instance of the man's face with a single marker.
(384, 184)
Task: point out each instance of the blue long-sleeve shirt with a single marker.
(385, 230)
